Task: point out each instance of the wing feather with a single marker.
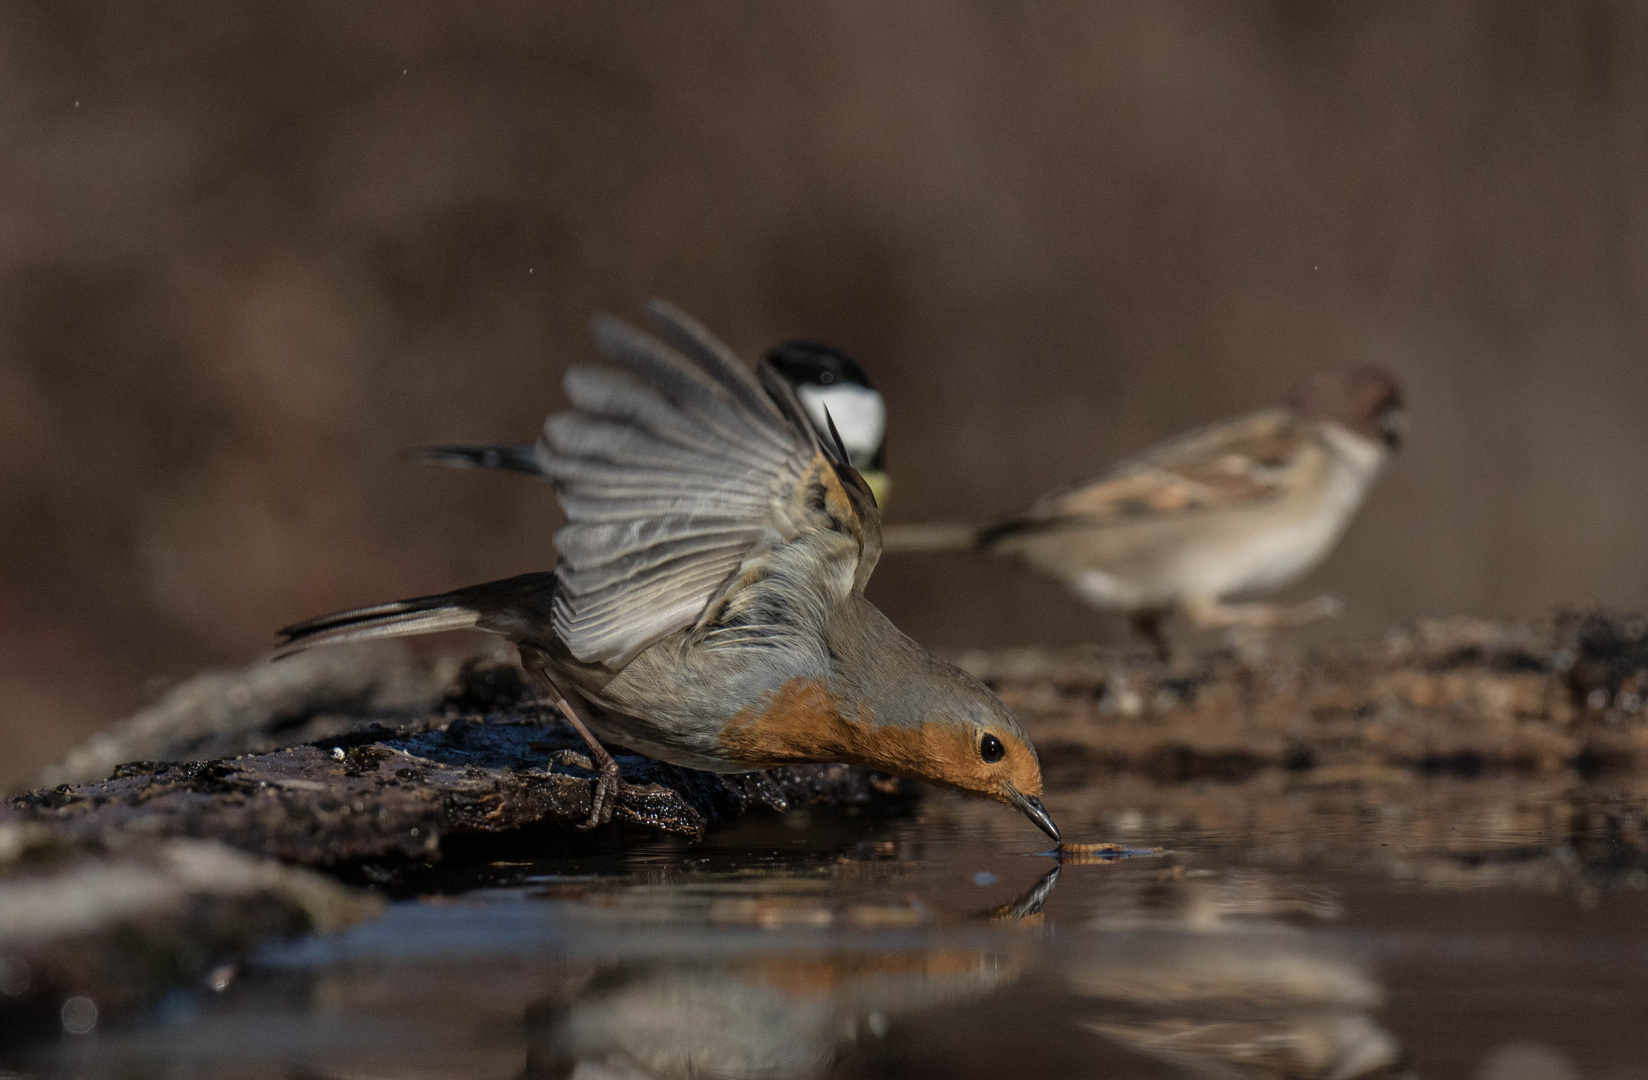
(686, 334)
(621, 443)
(612, 394)
(603, 479)
(688, 481)
(604, 622)
(606, 506)
(615, 541)
(660, 560)
(682, 383)
(1240, 462)
(608, 609)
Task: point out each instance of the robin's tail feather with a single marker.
(521, 459)
(515, 607)
(929, 537)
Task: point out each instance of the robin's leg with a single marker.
(1148, 625)
(609, 782)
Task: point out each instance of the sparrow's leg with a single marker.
(609, 781)
(1317, 607)
(1148, 625)
(1212, 615)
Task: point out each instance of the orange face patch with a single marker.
(803, 722)
(954, 751)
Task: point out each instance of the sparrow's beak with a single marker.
(1393, 427)
(1031, 807)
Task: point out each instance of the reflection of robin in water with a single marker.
(708, 606)
(783, 1016)
(783, 1013)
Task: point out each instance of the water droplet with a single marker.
(79, 1015)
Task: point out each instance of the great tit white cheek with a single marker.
(859, 413)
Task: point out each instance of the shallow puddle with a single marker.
(1443, 928)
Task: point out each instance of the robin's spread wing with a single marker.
(1239, 462)
(685, 481)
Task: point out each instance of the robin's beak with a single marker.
(1031, 807)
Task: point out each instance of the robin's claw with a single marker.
(574, 759)
(609, 784)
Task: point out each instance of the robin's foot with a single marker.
(609, 781)
(574, 759)
(609, 784)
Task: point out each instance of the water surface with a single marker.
(1445, 928)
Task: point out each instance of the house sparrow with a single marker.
(708, 604)
(1243, 506)
(831, 386)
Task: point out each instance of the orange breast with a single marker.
(803, 722)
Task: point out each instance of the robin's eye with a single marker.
(826, 377)
(991, 750)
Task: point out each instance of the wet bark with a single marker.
(485, 757)
(1457, 697)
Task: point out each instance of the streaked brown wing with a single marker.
(1239, 462)
(683, 480)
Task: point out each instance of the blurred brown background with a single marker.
(248, 251)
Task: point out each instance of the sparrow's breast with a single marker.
(1274, 545)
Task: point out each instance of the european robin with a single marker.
(707, 607)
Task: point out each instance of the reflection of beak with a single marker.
(1031, 807)
(1028, 905)
(881, 485)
